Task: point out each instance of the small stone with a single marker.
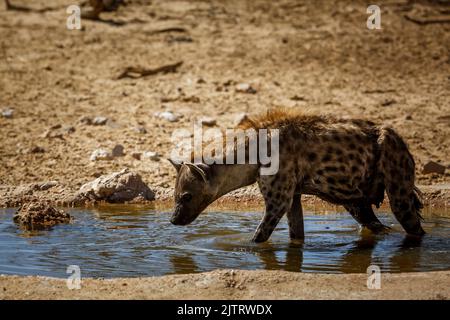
(99, 121)
(8, 113)
(388, 102)
(141, 130)
(245, 88)
(68, 129)
(151, 155)
(207, 121)
(85, 120)
(433, 167)
(55, 127)
(167, 115)
(298, 98)
(408, 117)
(37, 149)
(52, 134)
(100, 154)
(117, 151)
(136, 155)
(48, 185)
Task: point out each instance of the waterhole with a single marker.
(132, 242)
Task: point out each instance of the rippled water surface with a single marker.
(130, 242)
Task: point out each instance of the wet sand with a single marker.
(233, 284)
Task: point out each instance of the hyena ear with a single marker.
(202, 169)
(176, 163)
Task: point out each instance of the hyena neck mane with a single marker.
(229, 173)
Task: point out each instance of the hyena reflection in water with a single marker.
(343, 161)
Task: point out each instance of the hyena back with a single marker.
(343, 161)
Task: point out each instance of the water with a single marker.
(130, 242)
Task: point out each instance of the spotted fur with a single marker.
(350, 162)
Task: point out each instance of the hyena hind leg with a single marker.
(364, 215)
(406, 206)
(397, 166)
(295, 219)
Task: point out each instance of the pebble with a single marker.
(388, 102)
(68, 129)
(408, 117)
(7, 113)
(151, 155)
(37, 149)
(100, 154)
(207, 121)
(245, 88)
(167, 115)
(48, 185)
(85, 120)
(433, 167)
(99, 121)
(136, 155)
(141, 130)
(117, 151)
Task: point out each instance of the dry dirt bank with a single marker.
(231, 284)
(314, 55)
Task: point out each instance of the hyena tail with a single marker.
(397, 166)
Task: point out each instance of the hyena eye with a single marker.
(186, 197)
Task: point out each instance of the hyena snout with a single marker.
(183, 216)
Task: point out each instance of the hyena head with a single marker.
(193, 191)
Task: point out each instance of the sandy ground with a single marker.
(312, 55)
(231, 284)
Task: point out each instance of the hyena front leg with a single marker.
(295, 219)
(364, 215)
(278, 194)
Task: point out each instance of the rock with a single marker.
(85, 120)
(298, 98)
(136, 155)
(48, 185)
(433, 167)
(151, 155)
(245, 88)
(408, 117)
(38, 216)
(99, 121)
(141, 130)
(207, 121)
(53, 132)
(37, 149)
(167, 115)
(388, 102)
(55, 127)
(7, 113)
(68, 129)
(117, 187)
(117, 151)
(101, 154)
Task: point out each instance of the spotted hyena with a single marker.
(349, 162)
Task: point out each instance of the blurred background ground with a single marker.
(312, 55)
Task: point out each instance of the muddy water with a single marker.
(131, 242)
